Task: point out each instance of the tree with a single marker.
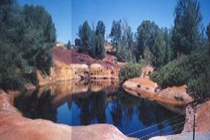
(116, 33)
(208, 35)
(127, 35)
(99, 40)
(68, 45)
(77, 42)
(100, 29)
(122, 39)
(27, 35)
(99, 50)
(153, 44)
(187, 26)
(12, 66)
(169, 54)
(40, 35)
(208, 32)
(85, 35)
(146, 35)
(7, 2)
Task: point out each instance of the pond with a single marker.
(92, 102)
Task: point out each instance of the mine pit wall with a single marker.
(77, 72)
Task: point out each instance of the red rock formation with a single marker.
(202, 118)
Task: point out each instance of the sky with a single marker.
(68, 15)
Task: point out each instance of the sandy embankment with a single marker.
(13, 126)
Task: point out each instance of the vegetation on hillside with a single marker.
(26, 40)
(128, 71)
(68, 45)
(91, 41)
(191, 66)
(180, 55)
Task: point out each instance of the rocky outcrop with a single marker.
(13, 126)
(146, 88)
(202, 118)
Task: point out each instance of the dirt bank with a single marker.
(69, 64)
(13, 126)
(202, 118)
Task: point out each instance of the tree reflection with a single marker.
(123, 107)
(92, 107)
(33, 106)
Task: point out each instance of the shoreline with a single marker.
(17, 127)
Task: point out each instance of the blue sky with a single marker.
(68, 15)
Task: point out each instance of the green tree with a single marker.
(146, 35)
(85, 35)
(208, 35)
(77, 42)
(116, 33)
(99, 50)
(7, 2)
(40, 34)
(68, 45)
(12, 66)
(27, 35)
(99, 40)
(187, 26)
(122, 39)
(169, 53)
(100, 29)
(208, 32)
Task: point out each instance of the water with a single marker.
(85, 103)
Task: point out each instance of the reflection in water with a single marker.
(97, 102)
(34, 106)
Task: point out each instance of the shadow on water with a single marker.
(34, 106)
(100, 102)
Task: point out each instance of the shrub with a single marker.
(128, 71)
(199, 86)
(179, 71)
(174, 73)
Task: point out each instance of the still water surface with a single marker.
(93, 102)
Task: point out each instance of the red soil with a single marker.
(73, 57)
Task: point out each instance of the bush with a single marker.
(128, 71)
(175, 73)
(199, 86)
(179, 71)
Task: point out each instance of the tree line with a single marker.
(152, 44)
(27, 37)
(191, 49)
(180, 55)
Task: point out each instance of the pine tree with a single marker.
(187, 26)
